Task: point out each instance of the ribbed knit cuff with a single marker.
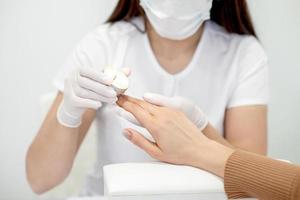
(248, 174)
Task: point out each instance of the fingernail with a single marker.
(127, 134)
(120, 100)
(120, 97)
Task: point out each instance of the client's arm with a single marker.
(249, 174)
(179, 141)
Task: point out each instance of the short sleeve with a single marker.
(91, 52)
(252, 81)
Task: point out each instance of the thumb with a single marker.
(159, 100)
(139, 140)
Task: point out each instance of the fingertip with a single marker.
(121, 96)
(133, 133)
(120, 100)
(131, 130)
(127, 134)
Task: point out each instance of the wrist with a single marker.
(213, 157)
(69, 118)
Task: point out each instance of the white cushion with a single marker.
(151, 181)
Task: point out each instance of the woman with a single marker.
(172, 49)
(179, 141)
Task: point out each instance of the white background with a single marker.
(37, 35)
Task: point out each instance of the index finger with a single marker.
(141, 114)
(152, 109)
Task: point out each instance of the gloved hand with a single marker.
(192, 111)
(85, 88)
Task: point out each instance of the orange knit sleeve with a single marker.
(251, 175)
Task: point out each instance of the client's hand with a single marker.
(190, 109)
(178, 140)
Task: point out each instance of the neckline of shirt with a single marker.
(188, 68)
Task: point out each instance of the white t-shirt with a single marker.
(227, 70)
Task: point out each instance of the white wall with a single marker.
(36, 36)
(278, 25)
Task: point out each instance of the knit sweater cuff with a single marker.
(251, 175)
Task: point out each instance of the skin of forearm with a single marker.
(213, 134)
(50, 156)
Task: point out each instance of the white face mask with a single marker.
(176, 19)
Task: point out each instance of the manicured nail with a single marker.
(121, 97)
(127, 134)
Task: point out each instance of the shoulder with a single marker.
(241, 47)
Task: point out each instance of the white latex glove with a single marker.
(192, 111)
(85, 88)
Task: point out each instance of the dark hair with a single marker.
(233, 15)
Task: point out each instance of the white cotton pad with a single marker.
(120, 80)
